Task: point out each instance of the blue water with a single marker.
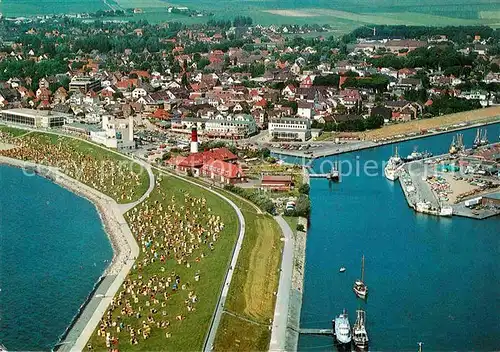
(49, 242)
(430, 279)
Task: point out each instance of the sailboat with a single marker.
(360, 289)
(359, 334)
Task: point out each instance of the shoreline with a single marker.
(125, 250)
(337, 149)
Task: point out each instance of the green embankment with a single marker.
(188, 334)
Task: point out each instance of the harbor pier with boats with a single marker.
(453, 183)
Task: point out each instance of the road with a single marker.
(278, 333)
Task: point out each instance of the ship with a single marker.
(334, 174)
(394, 163)
(414, 156)
(360, 289)
(342, 331)
(359, 334)
(481, 139)
(457, 144)
(3, 348)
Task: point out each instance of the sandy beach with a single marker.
(125, 248)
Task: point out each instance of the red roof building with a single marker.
(222, 172)
(276, 183)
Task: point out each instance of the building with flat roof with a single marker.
(491, 199)
(290, 129)
(34, 118)
(84, 83)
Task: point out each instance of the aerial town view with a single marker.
(249, 175)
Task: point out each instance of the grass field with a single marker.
(343, 16)
(250, 304)
(188, 334)
(110, 173)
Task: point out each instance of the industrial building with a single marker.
(35, 118)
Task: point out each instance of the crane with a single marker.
(374, 29)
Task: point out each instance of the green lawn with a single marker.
(108, 172)
(15, 132)
(255, 281)
(236, 334)
(189, 334)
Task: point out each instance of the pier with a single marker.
(327, 332)
(319, 175)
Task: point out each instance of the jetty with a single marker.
(327, 332)
(319, 175)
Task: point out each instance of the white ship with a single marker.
(392, 167)
(342, 330)
(359, 334)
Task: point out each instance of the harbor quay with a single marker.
(464, 184)
(324, 148)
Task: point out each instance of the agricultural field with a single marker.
(342, 16)
(22, 8)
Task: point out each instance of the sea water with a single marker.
(430, 279)
(53, 249)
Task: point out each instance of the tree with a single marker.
(300, 227)
(495, 67)
(304, 188)
(303, 206)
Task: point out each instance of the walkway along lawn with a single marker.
(250, 305)
(110, 173)
(172, 201)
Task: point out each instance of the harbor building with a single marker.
(290, 129)
(491, 200)
(84, 84)
(35, 118)
(276, 183)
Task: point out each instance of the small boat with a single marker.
(360, 289)
(342, 269)
(3, 348)
(342, 330)
(359, 334)
(334, 174)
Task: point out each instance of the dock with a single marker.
(319, 175)
(327, 332)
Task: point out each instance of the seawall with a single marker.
(296, 290)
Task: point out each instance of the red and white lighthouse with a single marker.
(194, 140)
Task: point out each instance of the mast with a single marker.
(363, 269)
(396, 152)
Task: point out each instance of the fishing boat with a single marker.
(453, 147)
(359, 334)
(360, 289)
(394, 163)
(477, 139)
(334, 174)
(484, 140)
(342, 269)
(342, 331)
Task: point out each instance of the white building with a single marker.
(139, 92)
(219, 126)
(115, 133)
(290, 128)
(34, 118)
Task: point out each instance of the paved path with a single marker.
(278, 333)
(126, 207)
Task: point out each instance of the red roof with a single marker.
(198, 159)
(222, 168)
(161, 114)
